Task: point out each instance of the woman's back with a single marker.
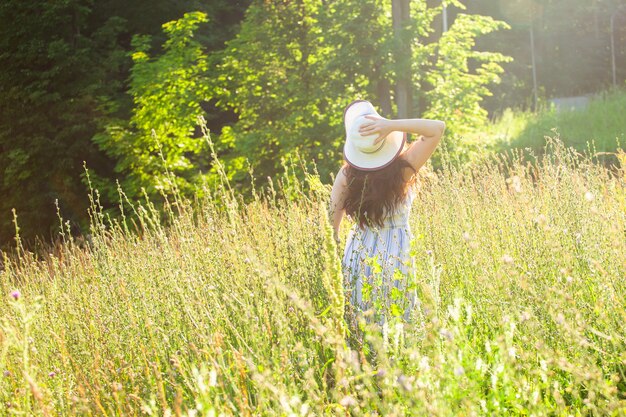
(399, 217)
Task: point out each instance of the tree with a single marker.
(159, 138)
(457, 92)
(294, 66)
(65, 76)
(54, 69)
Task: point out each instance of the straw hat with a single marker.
(360, 151)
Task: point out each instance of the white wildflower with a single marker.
(512, 352)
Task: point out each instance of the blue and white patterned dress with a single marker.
(390, 246)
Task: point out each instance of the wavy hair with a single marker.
(371, 192)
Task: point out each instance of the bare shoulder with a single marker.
(341, 179)
(340, 184)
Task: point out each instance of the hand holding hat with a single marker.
(380, 126)
(371, 143)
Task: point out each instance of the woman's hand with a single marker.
(379, 125)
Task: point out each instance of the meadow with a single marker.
(601, 123)
(223, 307)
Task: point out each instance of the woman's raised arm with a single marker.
(420, 150)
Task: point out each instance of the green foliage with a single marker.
(294, 67)
(65, 75)
(156, 150)
(457, 92)
(273, 76)
(55, 63)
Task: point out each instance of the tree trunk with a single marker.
(400, 14)
(382, 91)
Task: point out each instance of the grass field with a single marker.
(602, 123)
(238, 309)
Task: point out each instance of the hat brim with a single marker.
(390, 150)
(394, 143)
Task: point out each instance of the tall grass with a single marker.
(238, 308)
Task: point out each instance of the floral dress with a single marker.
(376, 260)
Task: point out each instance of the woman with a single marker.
(375, 188)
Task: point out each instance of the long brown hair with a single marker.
(371, 192)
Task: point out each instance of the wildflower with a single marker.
(212, 378)
(466, 236)
(560, 318)
(525, 316)
(578, 237)
(52, 374)
(569, 279)
(512, 352)
(541, 220)
(404, 383)
(7, 373)
(16, 294)
(458, 371)
(429, 252)
(446, 333)
(483, 405)
(347, 401)
(381, 373)
(515, 183)
(589, 196)
(507, 259)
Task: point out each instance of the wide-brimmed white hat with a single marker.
(360, 151)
